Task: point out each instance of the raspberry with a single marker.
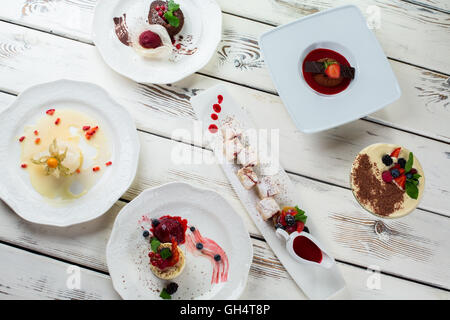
(387, 177)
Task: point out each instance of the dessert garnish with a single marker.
(327, 71)
(201, 246)
(290, 219)
(167, 227)
(55, 162)
(167, 292)
(167, 260)
(167, 14)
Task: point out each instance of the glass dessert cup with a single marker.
(375, 153)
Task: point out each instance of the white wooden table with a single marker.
(45, 40)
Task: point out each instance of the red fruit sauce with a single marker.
(316, 55)
(214, 116)
(213, 128)
(307, 249)
(149, 40)
(217, 108)
(170, 227)
(220, 98)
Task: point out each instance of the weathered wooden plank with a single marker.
(423, 107)
(415, 247)
(47, 279)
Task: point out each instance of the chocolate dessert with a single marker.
(167, 14)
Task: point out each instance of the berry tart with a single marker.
(387, 180)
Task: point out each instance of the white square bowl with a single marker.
(344, 30)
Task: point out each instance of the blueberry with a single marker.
(192, 229)
(217, 257)
(290, 220)
(387, 160)
(146, 234)
(199, 246)
(172, 288)
(155, 222)
(306, 229)
(402, 163)
(395, 173)
(409, 175)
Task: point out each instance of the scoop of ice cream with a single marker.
(151, 41)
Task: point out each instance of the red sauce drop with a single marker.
(170, 227)
(307, 249)
(214, 116)
(149, 40)
(316, 55)
(213, 128)
(217, 108)
(220, 98)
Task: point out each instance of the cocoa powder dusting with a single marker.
(383, 198)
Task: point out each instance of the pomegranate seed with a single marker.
(37, 141)
(50, 112)
(108, 163)
(22, 138)
(57, 121)
(160, 13)
(23, 166)
(36, 132)
(86, 128)
(95, 169)
(178, 46)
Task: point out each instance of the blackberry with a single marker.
(387, 160)
(172, 288)
(290, 220)
(402, 163)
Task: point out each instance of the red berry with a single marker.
(333, 71)
(50, 112)
(178, 46)
(57, 121)
(108, 163)
(413, 171)
(163, 7)
(86, 128)
(387, 176)
(95, 169)
(160, 13)
(157, 8)
(22, 138)
(401, 181)
(291, 229)
(300, 226)
(36, 132)
(396, 152)
(23, 166)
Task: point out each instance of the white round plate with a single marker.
(201, 32)
(127, 250)
(15, 186)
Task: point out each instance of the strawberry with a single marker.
(300, 226)
(395, 153)
(333, 71)
(401, 181)
(396, 166)
(401, 170)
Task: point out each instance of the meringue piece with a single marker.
(247, 177)
(163, 51)
(266, 188)
(247, 157)
(229, 132)
(268, 207)
(232, 148)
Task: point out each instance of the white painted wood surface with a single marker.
(50, 39)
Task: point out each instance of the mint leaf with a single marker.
(299, 211)
(155, 243)
(411, 190)
(300, 217)
(416, 176)
(409, 163)
(173, 21)
(165, 295)
(173, 6)
(165, 253)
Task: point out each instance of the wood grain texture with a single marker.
(423, 107)
(415, 247)
(164, 109)
(48, 277)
